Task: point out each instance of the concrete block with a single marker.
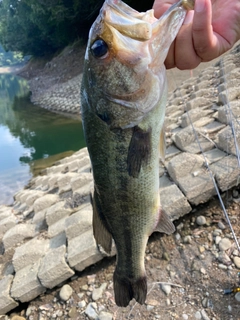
(39, 216)
(197, 187)
(26, 285)
(6, 302)
(164, 182)
(78, 223)
(58, 241)
(65, 179)
(45, 202)
(214, 155)
(52, 181)
(194, 115)
(17, 234)
(224, 115)
(83, 252)
(81, 180)
(84, 190)
(197, 102)
(53, 268)
(74, 165)
(57, 212)
(205, 145)
(228, 95)
(225, 140)
(6, 224)
(184, 137)
(212, 127)
(183, 164)
(226, 172)
(171, 151)
(57, 228)
(5, 212)
(29, 253)
(33, 196)
(174, 202)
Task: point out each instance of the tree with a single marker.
(38, 27)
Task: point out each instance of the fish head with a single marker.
(124, 60)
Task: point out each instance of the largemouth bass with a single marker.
(124, 92)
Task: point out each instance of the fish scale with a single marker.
(123, 104)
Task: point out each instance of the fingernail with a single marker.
(189, 17)
(199, 6)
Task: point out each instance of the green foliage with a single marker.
(10, 58)
(38, 27)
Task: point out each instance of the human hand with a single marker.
(207, 32)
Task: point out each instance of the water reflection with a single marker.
(29, 133)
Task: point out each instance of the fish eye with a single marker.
(99, 48)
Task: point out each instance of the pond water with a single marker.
(28, 134)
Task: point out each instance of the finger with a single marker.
(160, 7)
(185, 55)
(170, 60)
(204, 40)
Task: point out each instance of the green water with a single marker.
(29, 133)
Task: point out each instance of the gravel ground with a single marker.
(187, 273)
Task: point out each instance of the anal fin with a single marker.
(164, 225)
(100, 232)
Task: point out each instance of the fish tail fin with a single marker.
(125, 290)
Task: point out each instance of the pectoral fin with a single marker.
(139, 151)
(164, 225)
(162, 144)
(100, 232)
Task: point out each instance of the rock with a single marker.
(82, 304)
(217, 239)
(98, 292)
(217, 232)
(187, 239)
(18, 318)
(6, 302)
(73, 314)
(221, 225)
(198, 315)
(166, 288)
(201, 220)
(236, 261)
(91, 311)
(237, 296)
(150, 308)
(204, 315)
(224, 244)
(65, 292)
(105, 316)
